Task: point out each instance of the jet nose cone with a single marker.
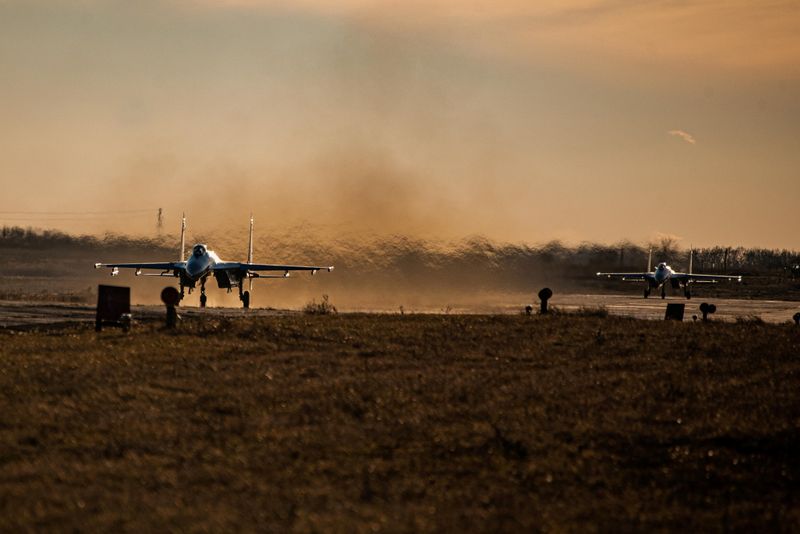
(196, 268)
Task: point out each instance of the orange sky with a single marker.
(573, 120)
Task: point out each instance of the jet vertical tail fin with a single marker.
(650, 260)
(182, 257)
(250, 248)
(250, 242)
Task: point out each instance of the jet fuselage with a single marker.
(662, 274)
(200, 262)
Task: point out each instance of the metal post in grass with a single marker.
(706, 309)
(544, 296)
(170, 297)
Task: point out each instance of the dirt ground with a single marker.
(365, 423)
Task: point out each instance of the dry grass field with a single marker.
(363, 423)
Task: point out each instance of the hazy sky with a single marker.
(576, 120)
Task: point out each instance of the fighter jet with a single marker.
(203, 263)
(664, 274)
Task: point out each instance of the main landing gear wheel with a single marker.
(646, 292)
(246, 299)
(203, 297)
(687, 294)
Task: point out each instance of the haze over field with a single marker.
(575, 120)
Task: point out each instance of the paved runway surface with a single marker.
(773, 311)
(21, 314)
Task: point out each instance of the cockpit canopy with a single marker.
(662, 265)
(198, 250)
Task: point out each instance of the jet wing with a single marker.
(160, 266)
(163, 266)
(627, 277)
(705, 278)
(255, 267)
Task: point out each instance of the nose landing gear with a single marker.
(244, 296)
(203, 297)
(663, 292)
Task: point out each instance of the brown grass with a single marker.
(356, 423)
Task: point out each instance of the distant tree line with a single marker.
(30, 238)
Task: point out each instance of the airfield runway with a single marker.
(21, 314)
(772, 311)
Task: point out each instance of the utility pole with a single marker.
(160, 220)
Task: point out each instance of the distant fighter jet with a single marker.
(203, 263)
(664, 274)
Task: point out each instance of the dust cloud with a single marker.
(383, 273)
(353, 192)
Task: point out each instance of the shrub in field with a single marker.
(749, 319)
(589, 311)
(582, 311)
(319, 308)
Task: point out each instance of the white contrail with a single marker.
(689, 138)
